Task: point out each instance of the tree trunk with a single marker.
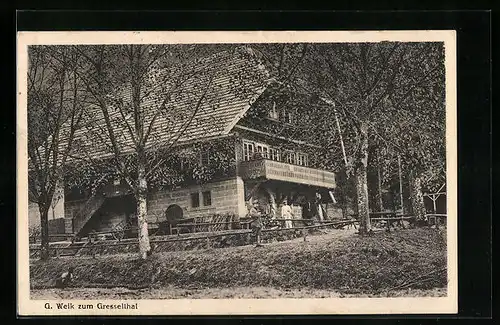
(416, 196)
(379, 200)
(142, 212)
(362, 182)
(44, 231)
(401, 198)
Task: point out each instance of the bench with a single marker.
(436, 218)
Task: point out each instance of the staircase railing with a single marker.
(86, 212)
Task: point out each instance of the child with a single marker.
(65, 278)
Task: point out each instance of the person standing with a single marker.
(319, 207)
(256, 217)
(287, 214)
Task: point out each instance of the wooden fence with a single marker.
(207, 240)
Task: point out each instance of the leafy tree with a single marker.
(54, 115)
(365, 105)
(373, 85)
(414, 120)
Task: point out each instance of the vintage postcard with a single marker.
(231, 173)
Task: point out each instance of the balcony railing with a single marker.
(280, 171)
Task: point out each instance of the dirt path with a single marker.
(214, 293)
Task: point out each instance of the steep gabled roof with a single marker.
(236, 80)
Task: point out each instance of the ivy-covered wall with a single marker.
(195, 163)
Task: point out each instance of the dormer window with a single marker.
(273, 112)
(283, 114)
(286, 116)
(77, 145)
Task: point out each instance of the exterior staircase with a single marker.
(86, 212)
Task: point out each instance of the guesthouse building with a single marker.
(245, 149)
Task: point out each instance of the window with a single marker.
(184, 164)
(284, 156)
(306, 162)
(248, 149)
(205, 157)
(195, 200)
(295, 158)
(265, 152)
(287, 116)
(274, 154)
(255, 150)
(273, 112)
(300, 160)
(262, 149)
(207, 198)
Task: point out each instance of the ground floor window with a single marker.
(195, 200)
(207, 198)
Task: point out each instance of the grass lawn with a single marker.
(334, 263)
(218, 293)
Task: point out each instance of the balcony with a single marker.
(280, 171)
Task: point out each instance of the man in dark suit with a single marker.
(257, 223)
